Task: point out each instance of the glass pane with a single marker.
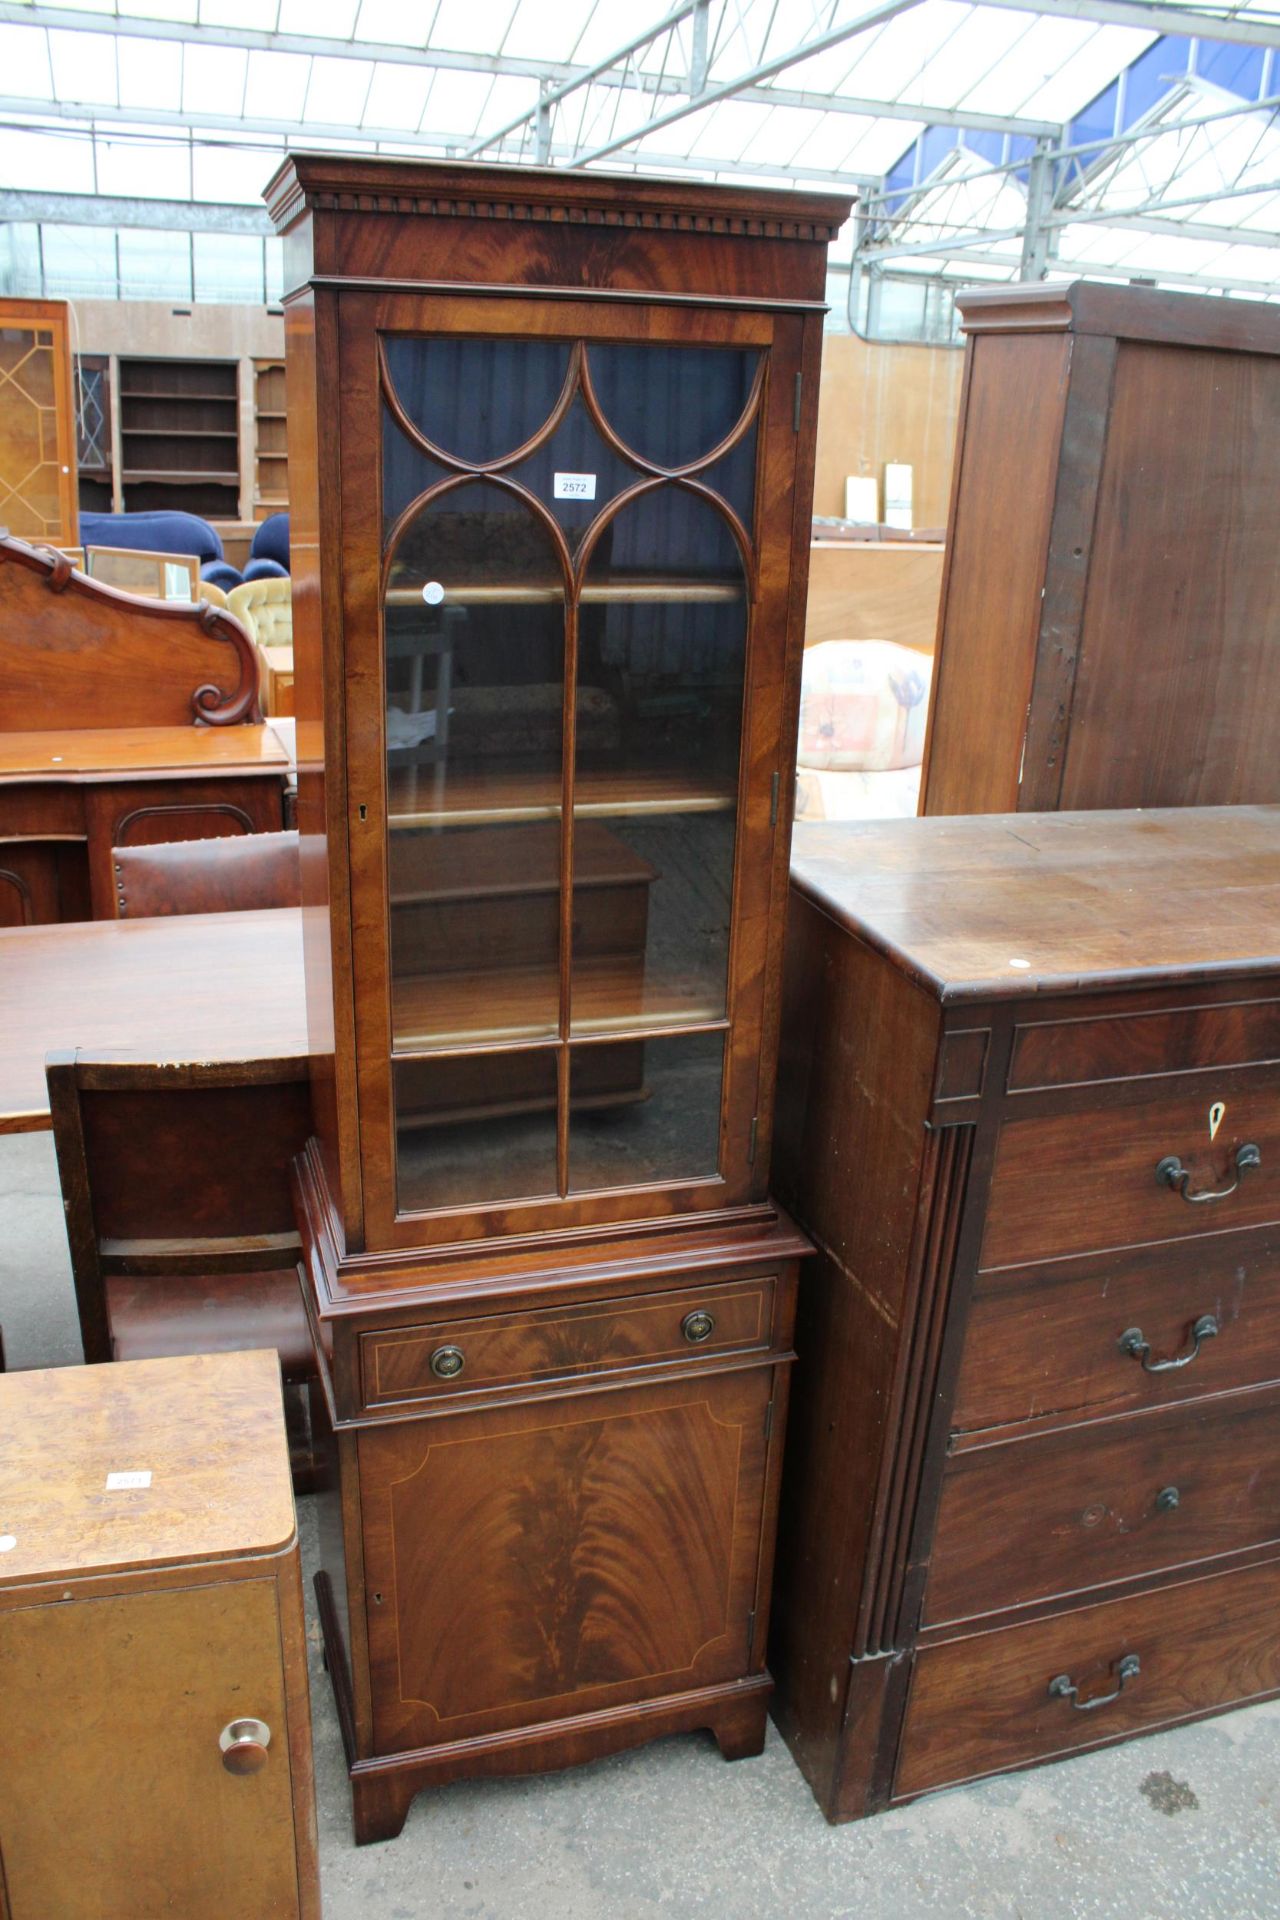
(672, 405)
(576, 473)
(29, 475)
(645, 1110)
(474, 1130)
(662, 658)
(474, 641)
(475, 934)
(478, 400)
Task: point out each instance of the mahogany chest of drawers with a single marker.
(1029, 1110)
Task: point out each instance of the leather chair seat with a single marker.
(155, 1316)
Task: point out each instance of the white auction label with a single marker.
(121, 1482)
(8, 1541)
(574, 486)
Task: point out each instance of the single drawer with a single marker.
(1081, 1507)
(1082, 1181)
(1139, 1328)
(984, 1704)
(510, 1349)
(1120, 1046)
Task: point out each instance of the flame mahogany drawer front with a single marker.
(1000, 1700)
(1122, 1046)
(1119, 1331)
(1080, 1181)
(1082, 1507)
(505, 1350)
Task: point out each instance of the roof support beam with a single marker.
(728, 89)
(165, 216)
(169, 129)
(1247, 29)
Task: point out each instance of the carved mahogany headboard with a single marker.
(75, 653)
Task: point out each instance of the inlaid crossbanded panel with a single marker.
(568, 571)
(30, 501)
(530, 1563)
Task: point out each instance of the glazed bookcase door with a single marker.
(566, 572)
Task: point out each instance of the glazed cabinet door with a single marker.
(566, 571)
(114, 1798)
(528, 1563)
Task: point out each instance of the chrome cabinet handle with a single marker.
(1063, 1687)
(244, 1744)
(1132, 1343)
(1170, 1172)
(447, 1362)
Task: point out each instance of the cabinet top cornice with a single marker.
(541, 195)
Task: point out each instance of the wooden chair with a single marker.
(230, 875)
(175, 1183)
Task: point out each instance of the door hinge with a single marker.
(751, 1147)
(751, 1629)
(768, 1421)
(774, 791)
(795, 416)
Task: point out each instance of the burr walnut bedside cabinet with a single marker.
(550, 471)
(1029, 1110)
(156, 1757)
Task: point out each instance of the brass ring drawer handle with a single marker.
(698, 1326)
(1170, 1172)
(447, 1362)
(1063, 1687)
(1132, 1343)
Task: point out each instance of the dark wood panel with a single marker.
(982, 1705)
(1057, 1513)
(1179, 669)
(552, 1560)
(1048, 1339)
(1069, 1052)
(994, 572)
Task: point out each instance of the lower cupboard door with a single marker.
(114, 1800)
(528, 1563)
(993, 1701)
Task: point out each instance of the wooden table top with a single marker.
(206, 1431)
(136, 753)
(997, 905)
(201, 986)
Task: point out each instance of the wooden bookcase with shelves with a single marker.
(180, 436)
(551, 457)
(271, 450)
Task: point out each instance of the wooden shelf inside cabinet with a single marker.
(478, 793)
(516, 593)
(181, 476)
(612, 993)
(176, 393)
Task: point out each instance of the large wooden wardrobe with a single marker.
(551, 447)
(1109, 631)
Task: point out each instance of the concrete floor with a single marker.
(1183, 1824)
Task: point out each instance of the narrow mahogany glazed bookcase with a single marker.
(551, 450)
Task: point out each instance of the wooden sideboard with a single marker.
(1109, 634)
(157, 1750)
(1029, 1111)
(125, 720)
